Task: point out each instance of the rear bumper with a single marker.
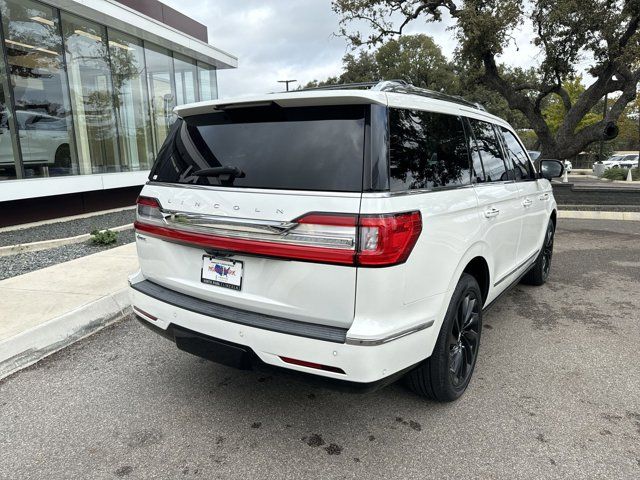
(238, 342)
(244, 358)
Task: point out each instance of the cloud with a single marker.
(280, 40)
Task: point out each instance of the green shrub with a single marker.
(104, 237)
(621, 174)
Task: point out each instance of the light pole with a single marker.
(604, 118)
(287, 82)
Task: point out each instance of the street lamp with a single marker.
(604, 119)
(287, 82)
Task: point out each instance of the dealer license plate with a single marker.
(222, 273)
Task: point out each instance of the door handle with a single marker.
(544, 197)
(491, 212)
(527, 202)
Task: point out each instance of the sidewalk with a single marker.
(45, 310)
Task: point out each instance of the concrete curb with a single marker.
(598, 215)
(33, 345)
(22, 226)
(56, 242)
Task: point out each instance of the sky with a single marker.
(285, 39)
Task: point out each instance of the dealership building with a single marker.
(87, 91)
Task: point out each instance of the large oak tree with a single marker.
(418, 60)
(566, 32)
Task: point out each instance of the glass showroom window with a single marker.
(91, 94)
(131, 101)
(185, 69)
(34, 53)
(161, 90)
(7, 158)
(208, 81)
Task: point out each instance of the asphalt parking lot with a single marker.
(556, 394)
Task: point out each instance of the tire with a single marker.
(445, 375)
(62, 158)
(539, 272)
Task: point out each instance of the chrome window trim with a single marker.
(499, 182)
(417, 191)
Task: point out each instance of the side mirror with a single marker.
(551, 169)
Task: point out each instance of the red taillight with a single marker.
(317, 366)
(149, 211)
(387, 239)
(335, 238)
(149, 201)
(383, 240)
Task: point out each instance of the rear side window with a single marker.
(427, 150)
(516, 153)
(490, 152)
(305, 148)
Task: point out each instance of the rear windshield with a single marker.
(305, 148)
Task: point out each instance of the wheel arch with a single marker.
(59, 148)
(62, 145)
(478, 268)
(478, 262)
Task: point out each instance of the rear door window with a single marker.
(490, 151)
(305, 148)
(427, 150)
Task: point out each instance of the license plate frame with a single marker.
(222, 272)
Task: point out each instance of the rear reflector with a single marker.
(317, 366)
(333, 238)
(142, 313)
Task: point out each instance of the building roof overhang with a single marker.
(126, 19)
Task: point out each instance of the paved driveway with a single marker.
(556, 394)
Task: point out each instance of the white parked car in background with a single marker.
(348, 235)
(44, 140)
(620, 161)
(629, 161)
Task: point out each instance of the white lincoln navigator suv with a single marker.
(345, 234)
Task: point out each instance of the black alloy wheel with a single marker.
(547, 251)
(539, 271)
(463, 340)
(445, 375)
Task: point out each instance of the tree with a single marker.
(418, 60)
(628, 139)
(413, 58)
(566, 32)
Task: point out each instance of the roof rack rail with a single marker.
(340, 86)
(404, 87)
(398, 86)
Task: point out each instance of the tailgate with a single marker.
(299, 290)
(256, 208)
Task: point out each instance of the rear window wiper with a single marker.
(233, 172)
